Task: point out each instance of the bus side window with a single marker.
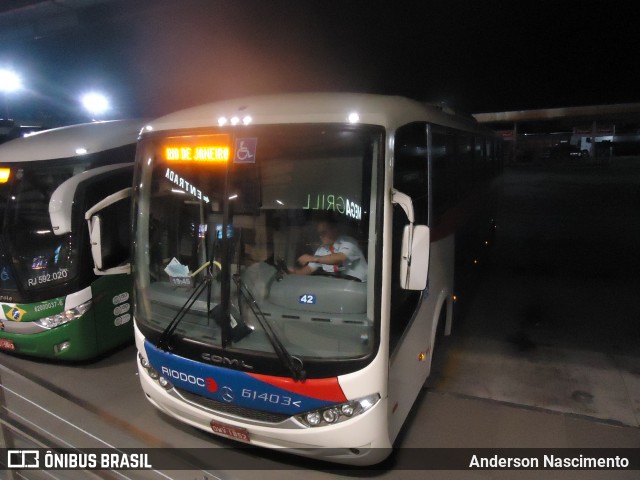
(410, 176)
(443, 184)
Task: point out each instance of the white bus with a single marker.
(52, 302)
(246, 322)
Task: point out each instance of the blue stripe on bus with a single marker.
(228, 386)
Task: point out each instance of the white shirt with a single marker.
(354, 266)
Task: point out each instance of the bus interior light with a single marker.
(4, 175)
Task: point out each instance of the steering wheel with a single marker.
(281, 268)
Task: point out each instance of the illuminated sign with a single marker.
(185, 185)
(245, 150)
(4, 175)
(336, 203)
(203, 148)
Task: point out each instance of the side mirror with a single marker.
(95, 238)
(414, 262)
(414, 258)
(63, 199)
(109, 233)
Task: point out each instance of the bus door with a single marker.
(108, 190)
(410, 322)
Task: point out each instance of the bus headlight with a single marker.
(164, 383)
(153, 373)
(144, 362)
(338, 413)
(67, 316)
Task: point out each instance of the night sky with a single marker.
(153, 57)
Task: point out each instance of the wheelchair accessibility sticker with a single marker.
(245, 150)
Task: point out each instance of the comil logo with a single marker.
(23, 458)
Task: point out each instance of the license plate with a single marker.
(7, 344)
(229, 431)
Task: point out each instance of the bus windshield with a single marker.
(269, 207)
(33, 257)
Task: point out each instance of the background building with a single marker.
(597, 132)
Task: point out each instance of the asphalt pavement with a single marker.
(554, 321)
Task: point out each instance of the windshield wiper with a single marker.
(293, 364)
(163, 341)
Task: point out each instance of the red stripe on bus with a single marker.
(322, 388)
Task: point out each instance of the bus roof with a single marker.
(74, 140)
(387, 111)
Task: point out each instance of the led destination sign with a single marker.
(205, 149)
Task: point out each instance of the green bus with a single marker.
(54, 302)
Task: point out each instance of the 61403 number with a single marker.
(271, 398)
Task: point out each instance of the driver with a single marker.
(337, 254)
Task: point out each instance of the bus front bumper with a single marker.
(73, 341)
(362, 440)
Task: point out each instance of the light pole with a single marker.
(95, 103)
(9, 82)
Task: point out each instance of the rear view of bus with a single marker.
(52, 303)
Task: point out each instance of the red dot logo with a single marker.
(212, 386)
